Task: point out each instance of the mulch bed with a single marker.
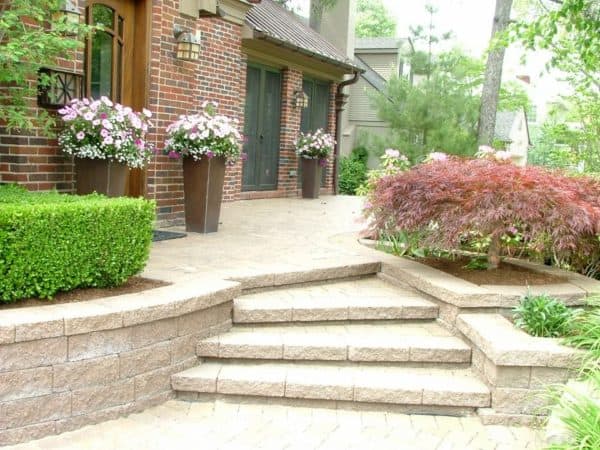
(505, 274)
(135, 284)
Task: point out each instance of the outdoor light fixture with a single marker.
(69, 12)
(188, 44)
(300, 99)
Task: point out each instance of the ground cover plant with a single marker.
(447, 199)
(579, 409)
(51, 242)
(543, 316)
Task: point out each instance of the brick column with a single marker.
(290, 127)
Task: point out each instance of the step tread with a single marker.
(364, 299)
(392, 342)
(358, 383)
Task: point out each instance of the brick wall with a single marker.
(180, 87)
(175, 87)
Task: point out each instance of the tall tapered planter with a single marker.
(203, 191)
(311, 178)
(101, 176)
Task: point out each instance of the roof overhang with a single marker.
(288, 45)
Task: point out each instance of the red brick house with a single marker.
(255, 60)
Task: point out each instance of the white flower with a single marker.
(146, 112)
(437, 156)
(392, 153)
(503, 155)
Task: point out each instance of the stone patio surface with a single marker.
(264, 236)
(238, 425)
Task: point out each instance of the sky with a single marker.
(471, 24)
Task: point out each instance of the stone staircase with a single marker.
(355, 342)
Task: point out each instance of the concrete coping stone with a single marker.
(506, 345)
(463, 294)
(40, 322)
(174, 300)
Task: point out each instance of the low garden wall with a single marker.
(456, 296)
(516, 366)
(67, 365)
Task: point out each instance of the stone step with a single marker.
(362, 299)
(357, 383)
(390, 342)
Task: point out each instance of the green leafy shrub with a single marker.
(543, 316)
(353, 172)
(51, 242)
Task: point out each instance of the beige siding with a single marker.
(385, 64)
(361, 108)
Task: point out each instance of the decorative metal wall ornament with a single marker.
(58, 87)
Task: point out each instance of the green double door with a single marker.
(316, 115)
(261, 129)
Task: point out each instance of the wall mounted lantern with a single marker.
(68, 12)
(299, 99)
(188, 44)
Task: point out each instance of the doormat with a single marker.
(160, 235)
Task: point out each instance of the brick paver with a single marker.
(233, 425)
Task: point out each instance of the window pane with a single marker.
(119, 71)
(103, 15)
(101, 65)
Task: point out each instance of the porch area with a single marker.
(262, 237)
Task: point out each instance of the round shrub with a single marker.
(446, 199)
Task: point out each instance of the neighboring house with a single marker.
(255, 60)
(512, 132)
(380, 58)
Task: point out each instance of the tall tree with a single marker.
(493, 75)
(374, 20)
(317, 8)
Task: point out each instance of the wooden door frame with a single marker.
(139, 51)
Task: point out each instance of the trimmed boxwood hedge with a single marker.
(51, 242)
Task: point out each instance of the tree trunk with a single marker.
(493, 255)
(493, 77)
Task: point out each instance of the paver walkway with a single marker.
(243, 426)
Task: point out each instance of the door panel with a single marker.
(315, 116)
(112, 68)
(261, 128)
(250, 171)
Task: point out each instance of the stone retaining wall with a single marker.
(66, 366)
(517, 367)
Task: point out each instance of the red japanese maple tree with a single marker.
(444, 200)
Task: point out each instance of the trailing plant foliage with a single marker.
(555, 215)
(543, 316)
(51, 242)
(33, 36)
